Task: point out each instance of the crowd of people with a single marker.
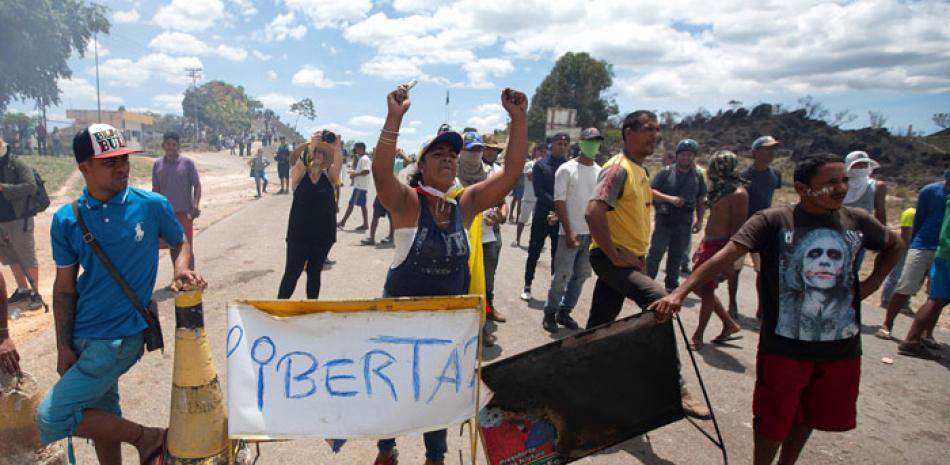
(445, 206)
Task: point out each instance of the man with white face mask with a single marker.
(865, 192)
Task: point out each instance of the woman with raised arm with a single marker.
(311, 228)
(432, 249)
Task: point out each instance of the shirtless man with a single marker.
(728, 202)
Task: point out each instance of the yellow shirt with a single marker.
(907, 218)
(625, 187)
(476, 256)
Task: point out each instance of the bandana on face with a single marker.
(858, 182)
(589, 148)
(723, 176)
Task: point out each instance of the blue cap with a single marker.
(451, 137)
(472, 140)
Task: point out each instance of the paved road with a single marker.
(903, 409)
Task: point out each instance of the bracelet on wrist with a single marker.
(386, 131)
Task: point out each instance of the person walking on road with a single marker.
(311, 227)
(678, 191)
(543, 223)
(574, 184)
(618, 216)
(362, 179)
(808, 366)
(282, 157)
(432, 246)
(927, 315)
(176, 177)
(99, 331)
(923, 247)
(258, 164)
(727, 202)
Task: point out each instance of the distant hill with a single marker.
(908, 161)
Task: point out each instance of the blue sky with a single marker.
(888, 56)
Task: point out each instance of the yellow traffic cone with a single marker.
(198, 428)
(19, 439)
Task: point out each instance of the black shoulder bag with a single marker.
(153, 334)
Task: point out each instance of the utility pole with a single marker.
(195, 74)
(95, 41)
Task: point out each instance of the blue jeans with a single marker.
(91, 383)
(671, 235)
(436, 445)
(260, 178)
(571, 269)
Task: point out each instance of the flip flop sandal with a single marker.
(725, 339)
(883, 334)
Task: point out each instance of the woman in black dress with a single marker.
(311, 229)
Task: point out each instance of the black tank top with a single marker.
(313, 212)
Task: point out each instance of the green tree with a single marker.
(577, 81)
(942, 120)
(36, 39)
(221, 107)
(303, 108)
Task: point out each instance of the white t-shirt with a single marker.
(574, 183)
(363, 182)
(528, 184)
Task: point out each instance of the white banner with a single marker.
(353, 374)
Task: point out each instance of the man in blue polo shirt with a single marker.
(98, 330)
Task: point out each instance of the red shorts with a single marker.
(188, 224)
(819, 395)
(708, 248)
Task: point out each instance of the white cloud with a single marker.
(129, 73)
(367, 120)
(282, 28)
(170, 103)
(81, 89)
(391, 68)
(261, 55)
(333, 50)
(277, 101)
(415, 122)
(808, 47)
(91, 50)
(487, 117)
(180, 43)
(331, 13)
(125, 17)
(231, 53)
(246, 7)
(311, 76)
(271, 75)
(478, 71)
(190, 15)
